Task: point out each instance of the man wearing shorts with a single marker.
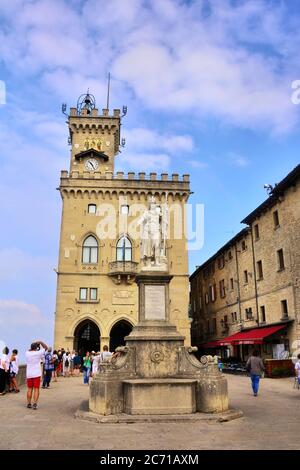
(34, 358)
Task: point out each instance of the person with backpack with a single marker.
(48, 368)
(77, 364)
(255, 367)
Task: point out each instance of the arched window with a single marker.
(124, 249)
(90, 250)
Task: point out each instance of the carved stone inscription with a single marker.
(155, 303)
(122, 297)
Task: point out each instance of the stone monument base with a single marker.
(154, 377)
(155, 374)
(83, 413)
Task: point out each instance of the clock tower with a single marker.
(101, 252)
(94, 136)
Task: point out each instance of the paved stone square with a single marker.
(271, 421)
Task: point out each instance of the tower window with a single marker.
(93, 293)
(212, 293)
(284, 309)
(256, 231)
(244, 246)
(124, 209)
(231, 283)
(234, 317)
(276, 219)
(260, 273)
(263, 314)
(90, 250)
(124, 249)
(280, 260)
(246, 277)
(92, 208)
(249, 315)
(222, 288)
(83, 293)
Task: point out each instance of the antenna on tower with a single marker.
(108, 90)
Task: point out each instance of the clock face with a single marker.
(91, 164)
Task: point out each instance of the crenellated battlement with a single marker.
(94, 113)
(108, 185)
(130, 176)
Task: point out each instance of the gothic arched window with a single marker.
(90, 250)
(124, 249)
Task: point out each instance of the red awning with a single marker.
(255, 336)
(210, 345)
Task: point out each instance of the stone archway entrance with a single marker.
(86, 337)
(117, 334)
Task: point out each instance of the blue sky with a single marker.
(208, 90)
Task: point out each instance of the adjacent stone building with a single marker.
(99, 254)
(247, 294)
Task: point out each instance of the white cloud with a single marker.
(150, 150)
(146, 162)
(146, 139)
(17, 313)
(222, 59)
(21, 323)
(238, 160)
(15, 265)
(197, 164)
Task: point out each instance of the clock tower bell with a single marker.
(94, 136)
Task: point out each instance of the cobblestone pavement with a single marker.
(271, 421)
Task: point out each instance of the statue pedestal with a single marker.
(154, 373)
(159, 396)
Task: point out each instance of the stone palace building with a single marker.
(247, 295)
(100, 241)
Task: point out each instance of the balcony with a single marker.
(123, 270)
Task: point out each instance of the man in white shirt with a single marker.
(106, 355)
(34, 357)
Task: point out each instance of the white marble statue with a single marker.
(154, 228)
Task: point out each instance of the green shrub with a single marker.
(281, 372)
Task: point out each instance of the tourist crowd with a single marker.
(43, 365)
(9, 368)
